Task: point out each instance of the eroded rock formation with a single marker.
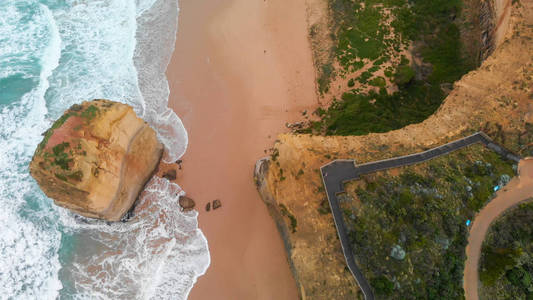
(96, 159)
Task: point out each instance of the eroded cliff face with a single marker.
(496, 98)
(96, 159)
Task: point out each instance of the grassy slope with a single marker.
(506, 264)
(423, 210)
(363, 36)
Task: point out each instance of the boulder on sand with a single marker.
(186, 203)
(216, 204)
(96, 159)
(170, 175)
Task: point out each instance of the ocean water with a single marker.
(54, 53)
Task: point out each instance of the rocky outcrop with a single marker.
(96, 159)
(493, 21)
(170, 175)
(217, 204)
(496, 98)
(186, 203)
(261, 183)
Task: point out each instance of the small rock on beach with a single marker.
(216, 204)
(170, 175)
(186, 203)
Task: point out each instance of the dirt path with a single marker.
(519, 189)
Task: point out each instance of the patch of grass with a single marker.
(404, 74)
(275, 154)
(361, 35)
(61, 158)
(362, 38)
(61, 176)
(363, 78)
(506, 263)
(326, 73)
(299, 174)
(423, 211)
(90, 113)
(50, 131)
(77, 176)
(285, 212)
(496, 262)
(377, 81)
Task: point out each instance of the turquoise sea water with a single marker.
(54, 53)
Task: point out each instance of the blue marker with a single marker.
(468, 222)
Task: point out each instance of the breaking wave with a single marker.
(54, 54)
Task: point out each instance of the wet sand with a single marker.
(241, 70)
(519, 189)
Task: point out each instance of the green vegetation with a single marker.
(275, 154)
(408, 230)
(377, 81)
(285, 212)
(50, 131)
(90, 113)
(363, 35)
(299, 174)
(404, 73)
(61, 158)
(323, 80)
(360, 114)
(76, 176)
(324, 209)
(506, 264)
(61, 176)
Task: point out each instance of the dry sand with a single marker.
(241, 70)
(519, 189)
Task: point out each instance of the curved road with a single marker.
(337, 172)
(519, 189)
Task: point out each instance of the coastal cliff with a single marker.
(96, 159)
(495, 98)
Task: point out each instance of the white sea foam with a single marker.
(97, 58)
(157, 254)
(29, 239)
(115, 49)
(156, 37)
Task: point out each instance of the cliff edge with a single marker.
(96, 159)
(495, 98)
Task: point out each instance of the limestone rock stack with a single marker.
(96, 159)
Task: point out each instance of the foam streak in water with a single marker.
(54, 54)
(29, 240)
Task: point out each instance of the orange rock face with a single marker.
(96, 159)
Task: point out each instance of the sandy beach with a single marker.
(241, 70)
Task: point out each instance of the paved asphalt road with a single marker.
(337, 172)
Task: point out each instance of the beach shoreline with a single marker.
(240, 71)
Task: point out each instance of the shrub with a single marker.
(404, 75)
(378, 81)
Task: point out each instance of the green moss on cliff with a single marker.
(58, 123)
(90, 113)
(61, 158)
(286, 213)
